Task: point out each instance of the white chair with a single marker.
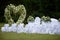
(13, 28)
(5, 28)
(20, 28)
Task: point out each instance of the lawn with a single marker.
(24, 36)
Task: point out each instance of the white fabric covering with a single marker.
(52, 27)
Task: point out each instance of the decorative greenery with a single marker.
(45, 18)
(11, 9)
(30, 18)
(59, 19)
(37, 7)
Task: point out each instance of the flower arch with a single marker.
(12, 9)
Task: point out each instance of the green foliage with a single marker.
(13, 12)
(46, 18)
(59, 19)
(35, 7)
(30, 19)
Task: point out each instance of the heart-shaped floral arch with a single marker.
(11, 9)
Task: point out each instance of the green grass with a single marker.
(24, 36)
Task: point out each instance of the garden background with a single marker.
(34, 7)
